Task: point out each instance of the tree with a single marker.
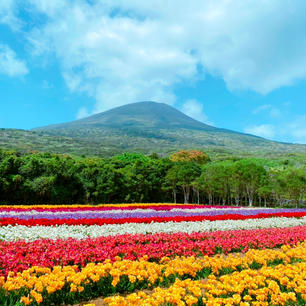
(235, 183)
(221, 175)
(190, 156)
(296, 184)
(187, 172)
(265, 191)
(134, 177)
(171, 180)
(206, 182)
(251, 174)
(10, 178)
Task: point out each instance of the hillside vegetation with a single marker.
(143, 127)
(188, 176)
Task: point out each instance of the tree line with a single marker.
(185, 176)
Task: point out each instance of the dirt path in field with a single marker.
(97, 302)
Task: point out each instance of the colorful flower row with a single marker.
(102, 207)
(280, 285)
(19, 256)
(139, 245)
(68, 284)
(30, 233)
(114, 211)
(102, 221)
(141, 213)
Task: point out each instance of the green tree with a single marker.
(172, 180)
(187, 172)
(251, 173)
(206, 182)
(296, 184)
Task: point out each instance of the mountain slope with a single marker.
(145, 127)
(138, 115)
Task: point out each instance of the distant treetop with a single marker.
(190, 155)
(131, 157)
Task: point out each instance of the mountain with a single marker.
(139, 127)
(148, 115)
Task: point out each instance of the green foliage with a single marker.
(134, 177)
(183, 174)
(51, 178)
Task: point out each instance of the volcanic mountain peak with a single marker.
(145, 127)
(145, 114)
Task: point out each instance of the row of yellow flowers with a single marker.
(280, 285)
(39, 285)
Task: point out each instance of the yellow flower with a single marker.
(132, 279)
(26, 300)
(73, 288)
(37, 296)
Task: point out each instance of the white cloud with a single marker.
(82, 113)
(194, 109)
(275, 113)
(293, 130)
(238, 40)
(46, 84)
(287, 103)
(8, 14)
(297, 129)
(263, 130)
(10, 64)
(261, 108)
(267, 108)
(126, 51)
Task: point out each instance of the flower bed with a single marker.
(65, 254)
(280, 285)
(68, 284)
(101, 221)
(18, 256)
(144, 214)
(108, 207)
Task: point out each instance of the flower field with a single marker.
(152, 254)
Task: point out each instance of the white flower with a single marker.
(30, 233)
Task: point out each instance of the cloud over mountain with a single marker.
(10, 64)
(124, 51)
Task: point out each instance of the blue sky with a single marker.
(237, 64)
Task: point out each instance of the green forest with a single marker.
(185, 176)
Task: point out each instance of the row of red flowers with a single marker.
(18, 256)
(103, 221)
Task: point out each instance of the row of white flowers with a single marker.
(13, 233)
